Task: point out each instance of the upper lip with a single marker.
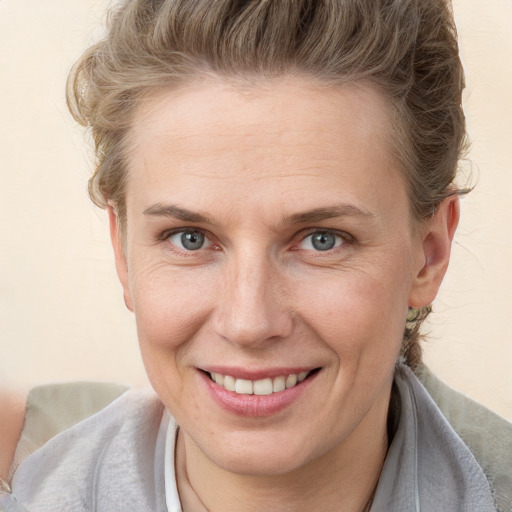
(258, 374)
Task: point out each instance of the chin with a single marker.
(258, 457)
(265, 465)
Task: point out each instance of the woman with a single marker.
(280, 183)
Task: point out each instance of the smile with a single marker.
(257, 393)
(260, 387)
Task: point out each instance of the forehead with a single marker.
(290, 108)
(290, 133)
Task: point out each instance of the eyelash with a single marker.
(166, 235)
(342, 236)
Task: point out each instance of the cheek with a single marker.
(170, 309)
(358, 311)
(170, 304)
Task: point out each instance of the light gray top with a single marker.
(428, 467)
(114, 461)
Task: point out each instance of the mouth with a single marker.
(261, 387)
(266, 394)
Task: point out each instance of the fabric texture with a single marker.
(56, 407)
(428, 467)
(487, 435)
(113, 461)
(110, 462)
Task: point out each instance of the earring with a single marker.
(412, 313)
(415, 314)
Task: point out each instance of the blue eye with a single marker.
(189, 240)
(321, 241)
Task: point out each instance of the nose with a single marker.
(252, 307)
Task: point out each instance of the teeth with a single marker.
(243, 387)
(291, 380)
(302, 376)
(263, 387)
(229, 383)
(258, 387)
(218, 378)
(279, 384)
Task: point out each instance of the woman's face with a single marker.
(268, 234)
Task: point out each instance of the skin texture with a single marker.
(12, 413)
(265, 167)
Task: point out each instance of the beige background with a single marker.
(61, 310)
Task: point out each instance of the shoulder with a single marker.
(112, 447)
(53, 408)
(486, 434)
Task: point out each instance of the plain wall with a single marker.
(62, 315)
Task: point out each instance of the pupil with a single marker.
(323, 241)
(192, 240)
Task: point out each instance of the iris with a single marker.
(323, 240)
(192, 240)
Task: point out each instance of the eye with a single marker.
(321, 241)
(189, 240)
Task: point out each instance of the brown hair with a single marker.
(406, 48)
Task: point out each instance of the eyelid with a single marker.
(343, 235)
(167, 234)
(299, 237)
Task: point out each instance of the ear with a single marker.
(434, 252)
(116, 237)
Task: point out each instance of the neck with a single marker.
(342, 480)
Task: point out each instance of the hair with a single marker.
(407, 49)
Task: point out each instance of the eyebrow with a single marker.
(310, 216)
(176, 212)
(330, 212)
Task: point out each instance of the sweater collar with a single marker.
(428, 466)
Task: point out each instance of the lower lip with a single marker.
(256, 406)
